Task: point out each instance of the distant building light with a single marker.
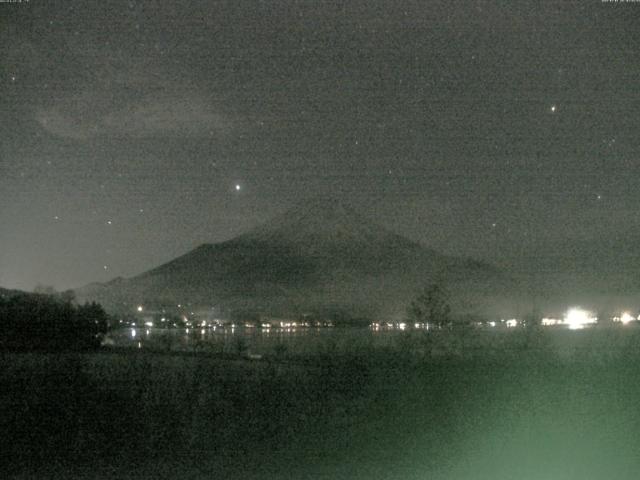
(140, 308)
(547, 322)
(577, 318)
(149, 324)
(626, 318)
(512, 322)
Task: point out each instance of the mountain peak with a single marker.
(320, 220)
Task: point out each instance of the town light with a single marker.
(626, 318)
(577, 318)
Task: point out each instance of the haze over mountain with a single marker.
(319, 257)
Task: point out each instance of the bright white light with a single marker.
(626, 318)
(139, 308)
(402, 326)
(546, 322)
(553, 108)
(492, 324)
(133, 333)
(237, 188)
(512, 322)
(577, 318)
(149, 324)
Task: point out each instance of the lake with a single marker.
(259, 341)
(602, 342)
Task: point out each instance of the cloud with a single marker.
(89, 115)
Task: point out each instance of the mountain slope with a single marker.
(315, 257)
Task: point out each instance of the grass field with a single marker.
(448, 406)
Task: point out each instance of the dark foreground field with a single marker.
(416, 411)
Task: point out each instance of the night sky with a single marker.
(134, 131)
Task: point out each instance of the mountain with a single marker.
(318, 257)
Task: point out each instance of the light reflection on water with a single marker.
(256, 340)
(322, 340)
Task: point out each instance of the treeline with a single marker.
(36, 321)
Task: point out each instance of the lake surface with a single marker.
(257, 341)
(311, 340)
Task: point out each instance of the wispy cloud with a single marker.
(180, 116)
(89, 114)
(126, 100)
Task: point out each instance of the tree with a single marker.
(431, 307)
(47, 322)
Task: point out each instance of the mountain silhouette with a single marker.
(316, 257)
